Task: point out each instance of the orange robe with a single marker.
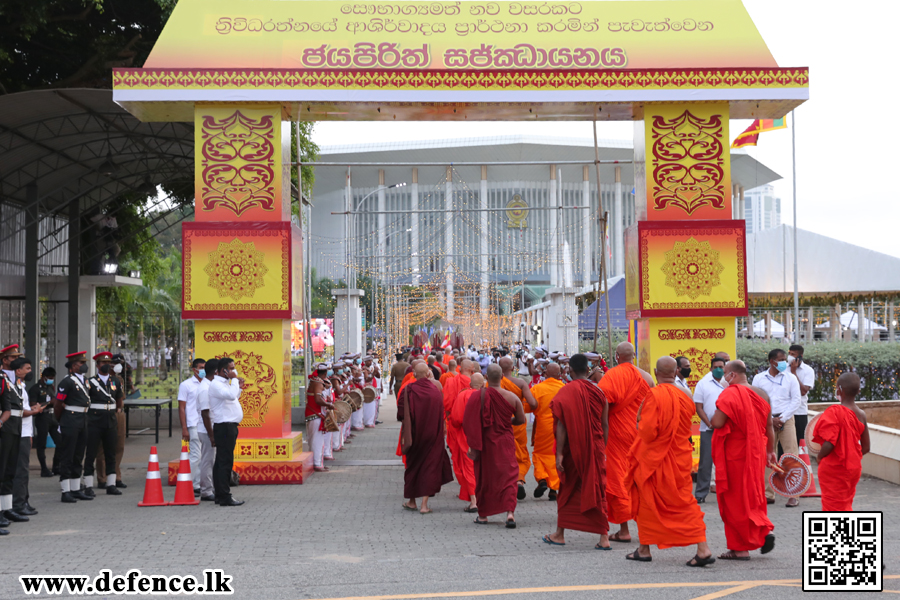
(543, 437)
(445, 377)
(581, 504)
(463, 466)
(839, 472)
(660, 471)
(739, 453)
(624, 388)
(519, 431)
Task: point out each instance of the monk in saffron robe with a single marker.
(660, 471)
(451, 372)
(543, 438)
(743, 443)
(843, 432)
(488, 422)
(519, 387)
(422, 432)
(624, 386)
(580, 415)
(456, 439)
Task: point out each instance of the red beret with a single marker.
(103, 356)
(76, 356)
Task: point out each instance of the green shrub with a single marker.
(877, 364)
(297, 365)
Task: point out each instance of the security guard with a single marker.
(71, 406)
(101, 425)
(12, 408)
(121, 373)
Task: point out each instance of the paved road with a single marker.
(343, 534)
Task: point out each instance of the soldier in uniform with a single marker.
(40, 395)
(119, 374)
(71, 406)
(12, 408)
(103, 390)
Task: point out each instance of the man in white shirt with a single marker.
(20, 483)
(189, 415)
(226, 412)
(705, 395)
(681, 375)
(204, 426)
(783, 389)
(807, 378)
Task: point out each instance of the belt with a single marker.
(95, 406)
(311, 418)
(76, 409)
(16, 413)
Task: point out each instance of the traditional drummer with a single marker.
(318, 400)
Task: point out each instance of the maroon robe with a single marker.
(581, 504)
(489, 430)
(427, 462)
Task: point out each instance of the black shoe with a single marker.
(89, 492)
(4, 532)
(120, 484)
(540, 489)
(770, 500)
(46, 472)
(208, 499)
(552, 496)
(521, 495)
(111, 490)
(15, 517)
(230, 502)
(68, 498)
(701, 500)
(196, 492)
(28, 512)
(101, 486)
(30, 507)
(4, 522)
(79, 495)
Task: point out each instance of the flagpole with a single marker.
(794, 178)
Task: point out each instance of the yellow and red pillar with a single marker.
(685, 257)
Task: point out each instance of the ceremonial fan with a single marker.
(790, 477)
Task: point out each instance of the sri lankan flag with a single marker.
(751, 134)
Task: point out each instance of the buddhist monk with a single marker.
(580, 414)
(488, 422)
(844, 435)
(660, 471)
(463, 466)
(624, 386)
(409, 378)
(427, 463)
(519, 387)
(743, 443)
(451, 372)
(543, 439)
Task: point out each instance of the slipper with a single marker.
(792, 505)
(426, 512)
(599, 547)
(510, 524)
(480, 522)
(615, 538)
(520, 495)
(547, 540)
(405, 507)
(730, 555)
(635, 556)
(541, 488)
(470, 509)
(769, 544)
(700, 562)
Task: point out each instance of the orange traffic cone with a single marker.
(811, 492)
(153, 492)
(184, 487)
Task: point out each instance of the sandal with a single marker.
(635, 556)
(731, 555)
(547, 540)
(769, 544)
(599, 547)
(615, 538)
(700, 562)
(480, 522)
(510, 523)
(470, 509)
(407, 507)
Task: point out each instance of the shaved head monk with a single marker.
(543, 438)
(844, 435)
(422, 432)
(456, 390)
(743, 443)
(519, 387)
(624, 386)
(580, 414)
(409, 378)
(488, 422)
(660, 475)
(451, 372)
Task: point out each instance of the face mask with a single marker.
(685, 372)
(201, 373)
(83, 369)
(340, 371)
(49, 382)
(781, 366)
(29, 376)
(329, 373)
(117, 369)
(104, 369)
(718, 372)
(357, 361)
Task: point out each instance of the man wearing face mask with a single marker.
(227, 414)
(190, 416)
(119, 375)
(705, 395)
(807, 378)
(40, 394)
(101, 425)
(13, 407)
(783, 389)
(70, 407)
(684, 371)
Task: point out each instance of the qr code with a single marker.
(842, 551)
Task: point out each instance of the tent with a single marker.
(759, 329)
(618, 319)
(849, 321)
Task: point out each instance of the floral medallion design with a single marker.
(236, 269)
(692, 268)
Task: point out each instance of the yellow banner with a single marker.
(465, 36)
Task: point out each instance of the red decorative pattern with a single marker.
(238, 336)
(237, 163)
(691, 334)
(700, 362)
(688, 162)
(273, 472)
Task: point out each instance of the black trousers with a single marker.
(101, 427)
(800, 423)
(226, 435)
(44, 425)
(9, 457)
(20, 483)
(72, 441)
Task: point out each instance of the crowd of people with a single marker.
(614, 445)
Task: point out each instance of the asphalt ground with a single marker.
(344, 534)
